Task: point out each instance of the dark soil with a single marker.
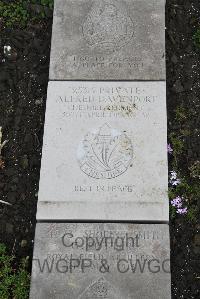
(183, 90)
(23, 85)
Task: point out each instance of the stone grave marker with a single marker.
(93, 261)
(104, 152)
(104, 155)
(108, 40)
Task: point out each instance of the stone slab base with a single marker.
(92, 260)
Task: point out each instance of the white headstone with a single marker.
(104, 152)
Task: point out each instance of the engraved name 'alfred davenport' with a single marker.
(106, 154)
(108, 27)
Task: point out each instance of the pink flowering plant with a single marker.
(174, 180)
(177, 201)
(169, 149)
(184, 174)
(183, 191)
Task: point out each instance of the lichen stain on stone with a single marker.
(125, 110)
(125, 144)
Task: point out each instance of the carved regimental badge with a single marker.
(100, 289)
(106, 154)
(108, 26)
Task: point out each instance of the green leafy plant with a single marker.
(13, 283)
(48, 3)
(181, 113)
(19, 12)
(196, 38)
(177, 144)
(195, 170)
(192, 214)
(14, 13)
(172, 212)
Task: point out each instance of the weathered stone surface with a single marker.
(93, 261)
(104, 152)
(108, 40)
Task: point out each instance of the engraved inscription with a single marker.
(106, 102)
(106, 154)
(108, 27)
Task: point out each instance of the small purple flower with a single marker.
(169, 149)
(177, 202)
(173, 175)
(179, 205)
(176, 182)
(182, 211)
